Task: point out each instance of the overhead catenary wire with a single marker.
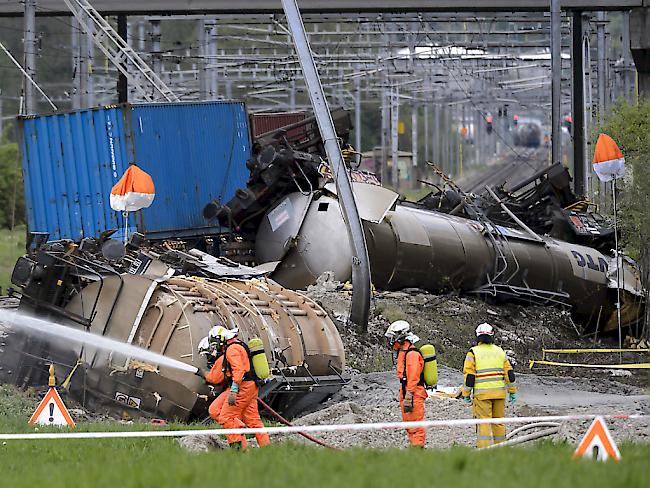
(26, 75)
(359, 35)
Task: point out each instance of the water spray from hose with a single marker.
(33, 326)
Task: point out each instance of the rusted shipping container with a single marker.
(261, 123)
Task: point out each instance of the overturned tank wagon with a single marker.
(469, 243)
(411, 247)
(142, 301)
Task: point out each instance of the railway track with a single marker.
(512, 170)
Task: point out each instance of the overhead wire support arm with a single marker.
(360, 263)
(119, 53)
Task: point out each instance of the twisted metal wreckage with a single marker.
(534, 242)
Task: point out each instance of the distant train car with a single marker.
(528, 133)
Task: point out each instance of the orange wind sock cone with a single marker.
(608, 162)
(134, 191)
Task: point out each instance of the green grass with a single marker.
(161, 462)
(12, 246)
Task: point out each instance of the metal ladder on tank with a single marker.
(118, 52)
(500, 241)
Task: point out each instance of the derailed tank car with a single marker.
(141, 301)
(468, 244)
(412, 247)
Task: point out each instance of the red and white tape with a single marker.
(317, 428)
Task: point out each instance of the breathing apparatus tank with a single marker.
(430, 372)
(259, 362)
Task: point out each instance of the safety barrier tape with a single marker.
(579, 351)
(599, 366)
(317, 428)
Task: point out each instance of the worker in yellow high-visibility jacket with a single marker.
(489, 373)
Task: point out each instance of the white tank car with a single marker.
(412, 247)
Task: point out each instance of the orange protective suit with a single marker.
(244, 412)
(414, 364)
(216, 377)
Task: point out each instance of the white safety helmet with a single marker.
(204, 346)
(215, 335)
(228, 334)
(399, 331)
(484, 329)
(219, 335)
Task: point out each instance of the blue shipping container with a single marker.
(195, 153)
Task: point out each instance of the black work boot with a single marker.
(235, 445)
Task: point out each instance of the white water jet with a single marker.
(55, 330)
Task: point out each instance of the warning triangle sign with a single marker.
(598, 443)
(52, 411)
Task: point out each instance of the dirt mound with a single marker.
(351, 412)
(449, 321)
(372, 397)
(435, 409)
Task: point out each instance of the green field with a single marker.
(12, 245)
(162, 462)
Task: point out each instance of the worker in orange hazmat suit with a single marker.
(236, 407)
(410, 367)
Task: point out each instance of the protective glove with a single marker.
(468, 400)
(408, 401)
(200, 373)
(513, 398)
(232, 396)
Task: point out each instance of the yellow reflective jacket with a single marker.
(488, 366)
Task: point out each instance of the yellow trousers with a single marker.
(488, 434)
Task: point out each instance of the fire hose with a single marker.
(284, 421)
(552, 428)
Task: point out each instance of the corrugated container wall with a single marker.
(264, 122)
(195, 153)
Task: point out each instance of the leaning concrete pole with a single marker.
(360, 263)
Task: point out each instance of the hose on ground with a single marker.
(284, 421)
(531, 426)
(525, 438)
